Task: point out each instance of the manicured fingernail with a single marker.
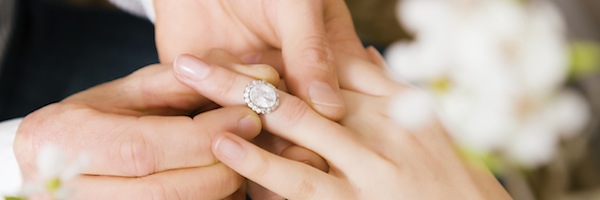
(322, 94)
(191, 68)
(230, 149)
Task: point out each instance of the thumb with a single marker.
(150, 90)
(309, 70)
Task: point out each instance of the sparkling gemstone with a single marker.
(263, 95)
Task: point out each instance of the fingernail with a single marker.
(191, 68)
(322, 94)
(251, 58)
(230, 149)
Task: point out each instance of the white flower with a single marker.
(406, 57)
(495, 69)
(533, 145)
(50, 162)
(54, 172)
(412, 15)
(413, 109)
(568, 113)
(541, 52)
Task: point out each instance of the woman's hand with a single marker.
(370, 156)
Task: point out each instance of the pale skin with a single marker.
(122, 124)
(306, 32)
(369, 155)
(137, 128)
(146, 139)
(405, 164)
(142, 144)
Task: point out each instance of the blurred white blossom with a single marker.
(53, 172)
(412, 109)
(496, 70)
(50, 162)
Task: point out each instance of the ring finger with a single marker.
(292, 120)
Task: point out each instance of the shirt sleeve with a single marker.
(142, 8)
(10, 173)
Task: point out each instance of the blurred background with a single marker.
(59, 47)
(573, 172)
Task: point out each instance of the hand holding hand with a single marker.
(307, 32)
(141, 138)
(370, 156)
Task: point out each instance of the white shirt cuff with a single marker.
(11, 175)
(142, 8)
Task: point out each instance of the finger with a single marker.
(278, 146)
(150, 90)
(376, 57)
(362, 76)
(309, 71)
(354, 73)
(260, 70)
(270, 142)
(306, 156)
(295, 153)
(270, 57)
(292, 120)
(154, 89)
(131, 146)
(212, 182)
(300, 182)
(174, 35)
(341, 31)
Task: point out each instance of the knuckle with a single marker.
(307, 188)
(226, 86)
(317, 51)
(36, 129)
(293, 111)
(386, 167)
(137, 155)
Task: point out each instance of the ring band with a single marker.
(261, 96)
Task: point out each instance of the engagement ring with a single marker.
(261, 96)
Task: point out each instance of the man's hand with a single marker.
(142, 140)
(307, 32)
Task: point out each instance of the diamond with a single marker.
(261, 96)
